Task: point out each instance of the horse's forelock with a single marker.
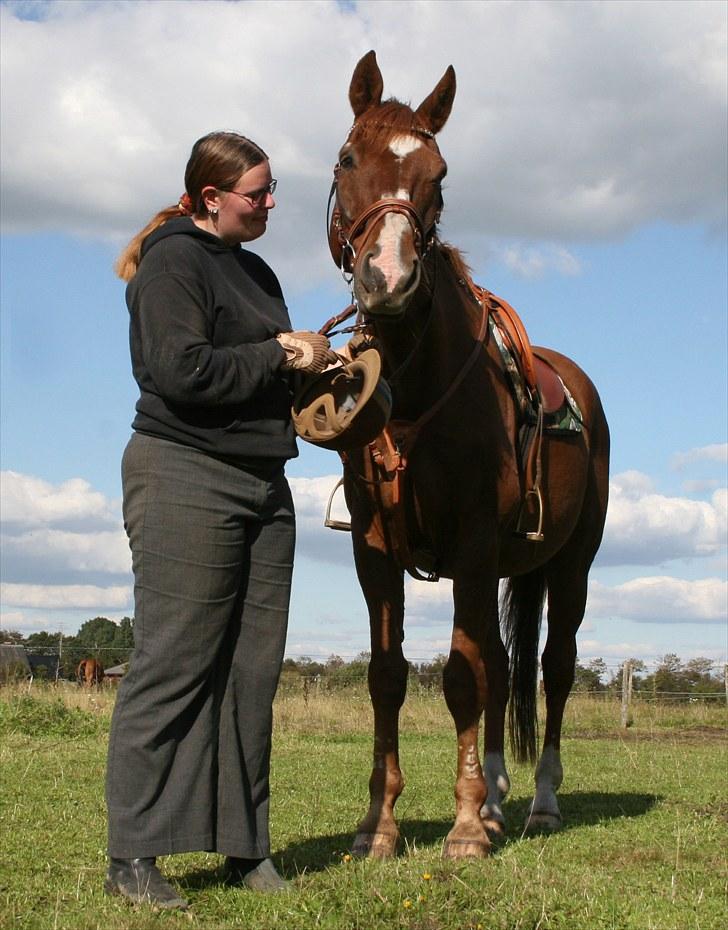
(387, 121)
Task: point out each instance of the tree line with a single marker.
(670, 675)
(112, 642)
(694, 678)
(100, 638)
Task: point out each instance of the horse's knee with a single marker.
(387, 680)
(558, 665)
(463, 692)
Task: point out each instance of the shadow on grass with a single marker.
(583, 809)
(579, 809)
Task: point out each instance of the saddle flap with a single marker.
(550, 385)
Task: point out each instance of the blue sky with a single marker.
(587, 185)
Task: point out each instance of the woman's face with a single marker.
(242, 212)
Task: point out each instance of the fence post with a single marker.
(626, 692)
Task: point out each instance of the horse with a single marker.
(90, 672)
(453, 488)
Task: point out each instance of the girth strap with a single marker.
(387, 458)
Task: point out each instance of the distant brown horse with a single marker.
(461, 486)
(90, 672)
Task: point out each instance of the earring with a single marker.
(213, 212)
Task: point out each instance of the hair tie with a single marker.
(185, 204)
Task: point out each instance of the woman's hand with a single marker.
(306, 351)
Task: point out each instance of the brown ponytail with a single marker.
(218, 160)
(127, 263)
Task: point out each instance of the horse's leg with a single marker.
(566, 604)
(494, 764)
(567, 577)
(466, 684)
(383, 587)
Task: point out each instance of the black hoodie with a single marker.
(204, 316)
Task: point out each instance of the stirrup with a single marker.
(531, 535)
(343, 525)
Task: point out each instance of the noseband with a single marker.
(346, 237)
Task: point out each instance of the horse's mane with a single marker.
(454, 258)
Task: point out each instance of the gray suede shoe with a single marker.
(256, 874)
(141, 882)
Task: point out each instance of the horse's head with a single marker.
(388, 196)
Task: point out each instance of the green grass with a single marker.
(644, 843)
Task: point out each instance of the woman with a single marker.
(210, 522)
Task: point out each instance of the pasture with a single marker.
(643, 848)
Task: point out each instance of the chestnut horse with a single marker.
(458, 423)
(90, 672)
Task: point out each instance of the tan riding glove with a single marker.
(306, 351)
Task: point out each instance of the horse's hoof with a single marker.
(465, 849)
(495, 829)
(542, 822)
(375, 845)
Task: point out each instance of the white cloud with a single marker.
(56, 550)
(534, 262)
(55, 532)
(661, 599)
(646, 528)
(11, 619)
(59, 596)
(30, 502)
(313, 539)
(613, 115)
(594, 648)
(716, 453)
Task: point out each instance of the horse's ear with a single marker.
(365, 90)
(435, 109)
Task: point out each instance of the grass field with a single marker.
(643, 848)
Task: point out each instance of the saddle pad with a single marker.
(567, 417)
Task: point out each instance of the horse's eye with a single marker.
(346, 162)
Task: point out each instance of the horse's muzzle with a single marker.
(383, 295)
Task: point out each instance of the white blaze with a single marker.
(389, 261)
(402, 146)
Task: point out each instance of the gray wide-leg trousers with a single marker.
(189, 750)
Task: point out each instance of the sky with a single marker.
(587, 153)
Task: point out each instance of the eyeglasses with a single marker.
(257, 197)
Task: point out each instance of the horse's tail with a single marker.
(522, 601)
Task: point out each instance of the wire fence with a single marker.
(315, 672)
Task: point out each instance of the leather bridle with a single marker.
(350, 238)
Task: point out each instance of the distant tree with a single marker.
(349, 673)
(11, 637)
(699, 677)
(638, 666)
(672, 676)
(590, 677)
(669, 675)
(43, 640)
(102, 639)
(429, 674)
(308, 668)
(124, 638)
